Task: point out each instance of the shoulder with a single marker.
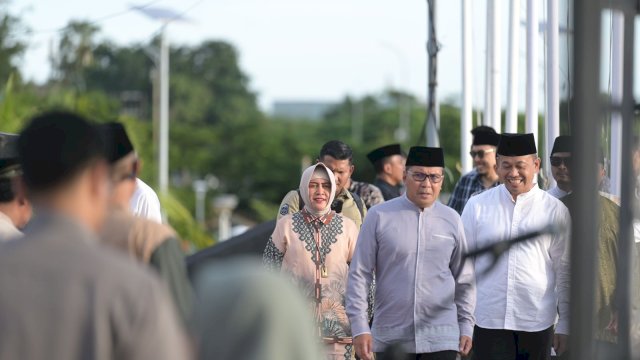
(484, 196)
(347, 223)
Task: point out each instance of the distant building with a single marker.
(303, 110)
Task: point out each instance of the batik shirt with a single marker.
(369, 193)
(316, 252)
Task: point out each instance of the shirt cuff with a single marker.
(359, 327)
(466, 329)
(562, 327)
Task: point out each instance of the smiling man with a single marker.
(526, 288)
(483, 176)
(414, 244)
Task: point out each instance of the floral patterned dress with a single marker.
(316, 252)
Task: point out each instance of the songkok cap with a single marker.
(425, 156)
(9, 158)
(562, 144)
(382, 152)
(485, 135)
(116, 140)
(517, 145)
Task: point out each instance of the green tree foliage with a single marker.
(12, 43)
(75, 53)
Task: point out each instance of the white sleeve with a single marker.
(145, 203)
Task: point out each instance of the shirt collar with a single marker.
(522, 197)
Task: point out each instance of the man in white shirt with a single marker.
(520, 293)
(560, 160)
(145, 202)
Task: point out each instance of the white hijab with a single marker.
(313, 172)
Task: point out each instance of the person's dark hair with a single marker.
(378, 166)
(337, 150)
(55, 146)
(6, 190)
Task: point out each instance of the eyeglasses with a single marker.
(420, 177)
(480, 153)
(557, 161)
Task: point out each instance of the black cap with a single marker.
(425, 156)
(562, 144)
(383, 152)
(117, 143)
(517, 145)
(485, 135)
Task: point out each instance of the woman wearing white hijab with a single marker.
(315, 246)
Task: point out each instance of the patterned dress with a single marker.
(316, 252)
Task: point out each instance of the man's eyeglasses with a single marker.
(480, 153)
(557, 161)
(420, 177)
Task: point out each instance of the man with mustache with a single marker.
(520, 293)
(425, 291)
(483, 176)
(560, 166)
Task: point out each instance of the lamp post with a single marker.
(225, 204)
(161, 60)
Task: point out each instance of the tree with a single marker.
(75, 53)
(12, 44)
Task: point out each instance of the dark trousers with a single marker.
(493, 344)
(440, 355)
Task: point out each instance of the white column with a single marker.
(496, 59)
(488, 102)
(552, 122)
(531, 125)
(617, 61)
(467, 88)
(511, 120)
(163, 148)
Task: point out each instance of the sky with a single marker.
(300, 49)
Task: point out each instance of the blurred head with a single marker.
(64, 166)
(424, 174)
(123, 163)
(338, 157)
(483, 149)
(317, 187)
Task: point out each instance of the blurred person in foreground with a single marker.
(145, 240)
(523, 292)
(425, 290)
(15, 209)
(62, 295)
(388, 162)
(315, 246)
(246, 313)
(483, 176)
(338, 157)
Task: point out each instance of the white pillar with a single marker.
(531, 125)
(163, 148)
(488, 102)
(467, 88)
(511, 120)
(617, 39)
(496, 59)
(552, 119)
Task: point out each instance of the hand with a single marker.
(560, 343)
(613, 323)
(465, 345)
(364, 346)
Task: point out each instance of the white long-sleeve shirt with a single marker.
(529, 284)
(145, 202)
(419, 304)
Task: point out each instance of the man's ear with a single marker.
(352, 168)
